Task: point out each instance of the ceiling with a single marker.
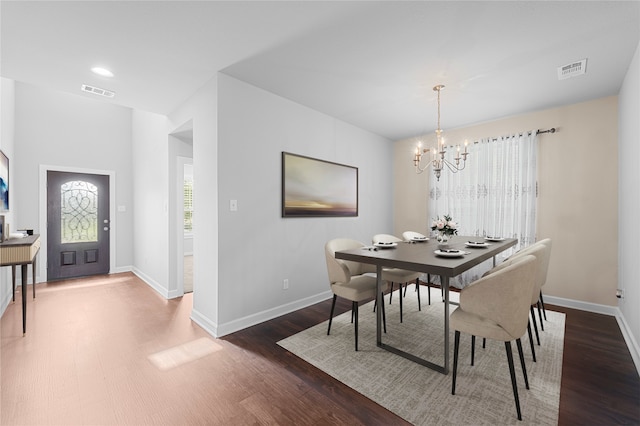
(371, 64)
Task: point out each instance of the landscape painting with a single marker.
(4, 182)
(318, 188)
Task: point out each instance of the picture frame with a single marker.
(2, 231)
(4, 182)
(318, 188)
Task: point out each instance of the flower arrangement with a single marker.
(445, 226)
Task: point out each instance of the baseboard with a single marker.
(248, 321)
(120, 269)
(204, 322)
(151, 283)
(583, 306)
(614, 311)
(632, 344)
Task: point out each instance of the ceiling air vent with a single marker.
(98, 91)
(572, 70)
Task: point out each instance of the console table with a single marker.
(21, 251)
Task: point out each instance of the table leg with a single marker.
(445, 285)
(13, 281)
(33, 273)
(380, 300)
(24, 299)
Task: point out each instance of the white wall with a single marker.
(577, 201)
(258, 249)
(7, 120)
(70, 131)
(202, 109)
(151, 207)
(629, 203)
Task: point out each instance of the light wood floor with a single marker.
(85, 360)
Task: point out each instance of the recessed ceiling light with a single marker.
(102, 71)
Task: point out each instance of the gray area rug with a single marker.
(422, 396)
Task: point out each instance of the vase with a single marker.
(443, 241)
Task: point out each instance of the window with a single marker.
(188, 205)
(495, 195)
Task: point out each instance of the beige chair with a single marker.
(541, 252)
(412, 236)
(347, 279)
(395, 275)
(497, 307)
(536, 299)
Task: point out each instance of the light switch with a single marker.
(233, 205)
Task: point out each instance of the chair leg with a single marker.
(535, 325)
(384, 317)
(473, 348)
(400, 299)
(524, 367)
(418, 289)
(544, 311)
(333, 305)
(507, 346)
(540, 316)
(391, 293)
(484, 342)
(355, 310)
(456, 346)
(533, 349)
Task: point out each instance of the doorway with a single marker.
(78, 224)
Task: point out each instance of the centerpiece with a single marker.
(445, 227)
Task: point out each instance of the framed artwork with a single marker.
(318, 188)
(4, 182)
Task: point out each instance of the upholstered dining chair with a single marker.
(416, 236)
(540, 249)
(413, 236)
(541, 253)
(395, 275)
(350, 280)
(497, 307)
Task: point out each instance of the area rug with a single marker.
(422, 396)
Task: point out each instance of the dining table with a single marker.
(427, 256)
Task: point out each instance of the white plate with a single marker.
(458, 253)
(419, 239)
(494, 238)
(386, 245)
(476, 244)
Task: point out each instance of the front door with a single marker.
(77, 225)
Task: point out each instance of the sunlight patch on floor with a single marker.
(182, 354)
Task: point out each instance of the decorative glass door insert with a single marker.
(79, 212)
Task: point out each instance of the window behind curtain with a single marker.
(495, 195)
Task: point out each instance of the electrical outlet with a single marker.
(620, 293)
(285, 284)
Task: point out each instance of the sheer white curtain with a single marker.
(495, 195)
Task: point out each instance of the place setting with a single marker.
(445, 252)
(477, 244)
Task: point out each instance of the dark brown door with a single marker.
(77, 225)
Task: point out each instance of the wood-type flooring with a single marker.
(86, 360)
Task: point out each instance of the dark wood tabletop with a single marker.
(421, 256)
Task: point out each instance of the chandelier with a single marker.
(437, 154)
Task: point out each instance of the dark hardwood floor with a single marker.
(600, 384)
(85, 360)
